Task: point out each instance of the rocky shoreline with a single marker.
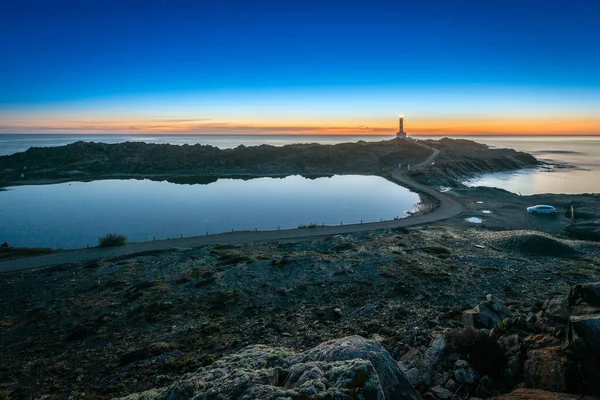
(204, 164)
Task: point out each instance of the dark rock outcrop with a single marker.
(584, 332)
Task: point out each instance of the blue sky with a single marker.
(316, 64)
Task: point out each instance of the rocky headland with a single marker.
(204, 164)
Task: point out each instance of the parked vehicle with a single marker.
(542, 209)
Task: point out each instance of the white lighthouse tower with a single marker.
(401, 134)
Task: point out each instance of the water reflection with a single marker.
(72, 215)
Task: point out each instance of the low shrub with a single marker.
(112, 239)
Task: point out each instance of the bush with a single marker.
(112, 239)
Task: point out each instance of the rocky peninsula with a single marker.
(204, 164)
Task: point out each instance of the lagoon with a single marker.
(75, 214)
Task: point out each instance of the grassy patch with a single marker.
(309, 226)
(112, 239)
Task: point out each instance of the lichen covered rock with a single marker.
(347, 368)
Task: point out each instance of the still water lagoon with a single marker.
(75, 214)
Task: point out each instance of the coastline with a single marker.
(441, 208)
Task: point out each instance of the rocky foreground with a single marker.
(204, 164)
(435, 312)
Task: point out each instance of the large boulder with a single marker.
(550, 368)
(393, 383)
(584, 332)
(347, 368)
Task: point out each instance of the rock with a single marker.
(588, 293)
(532, 319)
(301, 375)
(452, 385)
(533, 394)
(557, 309)
(441, 393)
(464, 373)
(378, 338)
(337, 313)
(474, 318)
(549, 369)
(483, 352)
(513, 350)
(486, 387)
(414, 376)
(486, 355)
(436, 350)
(486, 315)
(584, 332)
(347, 368)
(410, 359)
(393, 383)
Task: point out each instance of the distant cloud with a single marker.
(189, 126)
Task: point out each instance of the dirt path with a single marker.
(448, 207)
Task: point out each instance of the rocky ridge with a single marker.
(204, 164)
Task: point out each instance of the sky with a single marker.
(300, 67)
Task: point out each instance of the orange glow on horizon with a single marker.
(413, 125)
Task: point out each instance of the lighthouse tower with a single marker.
(401, 134)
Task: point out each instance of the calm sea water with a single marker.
(574, 165)
(73, 215)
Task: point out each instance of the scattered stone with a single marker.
(512, 347)
(486, 315)
(464, 373)
(337, 312)
(557, 309)
(441, 393)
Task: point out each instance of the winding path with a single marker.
(447, 208)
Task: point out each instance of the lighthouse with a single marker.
(401, 134)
